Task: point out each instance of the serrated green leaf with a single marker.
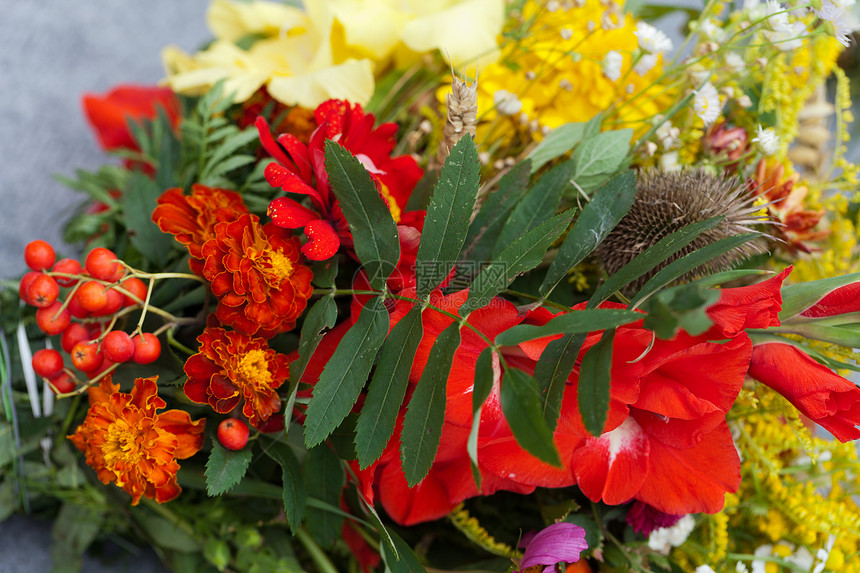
(139, 199)
(494, 212)
(554, 366)
(404, 560)
(576, 321)
(232, 142)
(595, 376)
(422, 423)
(225, 468)
(322, 315)
(447, 220)
(345, 373)
(231, 163)
(387, 388)
(650, 258)
(598, 157)
(687, 263)
(556, 143)
(539, 204)
(483, 385)
(325, 273)
(521, 407)
(597, 219)
(798, 297)
(522, 255)
(324, 480)
(374, 232)
(294, 493)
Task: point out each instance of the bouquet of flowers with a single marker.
(465, 285)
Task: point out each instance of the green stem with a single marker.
(316, 553)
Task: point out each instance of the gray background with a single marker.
(51, 52)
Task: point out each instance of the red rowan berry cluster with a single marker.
(96, 295)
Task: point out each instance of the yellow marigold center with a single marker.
(390, 201)
(280, 265)
(122, 445)
(253, 369)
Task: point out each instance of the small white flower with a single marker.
(790, 38)
(668, 162)
(777, 17)
(667, 135)
(566, 33)
(740, 567)
(707, 103)
(768, 140)
(735, 62)
(710, 30)
(704, 569)
(651, 39)
(507, 103)
(645, 64)
(612, 65)
(844, 22)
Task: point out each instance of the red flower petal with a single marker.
(754, 306)
(614, 466)
(840, 301)
(323, 241)
(290, 214)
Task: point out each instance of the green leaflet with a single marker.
(422, 424)
(522, 255)
(225, 468)
(577, 321)
(521, 405)
(404, 560)
(324, 481)
(687, 263)
(387, 388)
(556, 143)
(597, 219)
(594, 382)
(494, 212)
(650, 258)
(322, 315)
(294, 493)
(480, 391)
(551, 372)
(345, 373)
(447, 220)
(373, 230)
(139, 199)
(598, 158)
(539, 204)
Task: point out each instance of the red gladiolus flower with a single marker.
(232, 368)
(843, 300)
(821, 395)
(192, 218)
(256, 273)
(300, 169)
(109, 115)
(754, 306)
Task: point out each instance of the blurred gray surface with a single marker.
(51, 52)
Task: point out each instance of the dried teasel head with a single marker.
(668, 201)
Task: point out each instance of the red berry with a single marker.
(76, 309)
(102, 264)
(147, 348)
(39, 255)
(68, 266)
(47, 362)
(86, 356)
(92, 296)
(26, 281)
(51, 320)
(136, 287)
(233, 433)
(63, 383)
(117, 346)
(76, 332)
(114, 303)
(43, 291)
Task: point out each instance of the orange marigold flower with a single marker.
(256, 273)
(126, 441)
(786, 206)
(232, 367)
(192, 218)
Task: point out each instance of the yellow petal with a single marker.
(464, 31)
(234, 20)
(352, 80)
(372, 26)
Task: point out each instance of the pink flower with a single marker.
(558, 543)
